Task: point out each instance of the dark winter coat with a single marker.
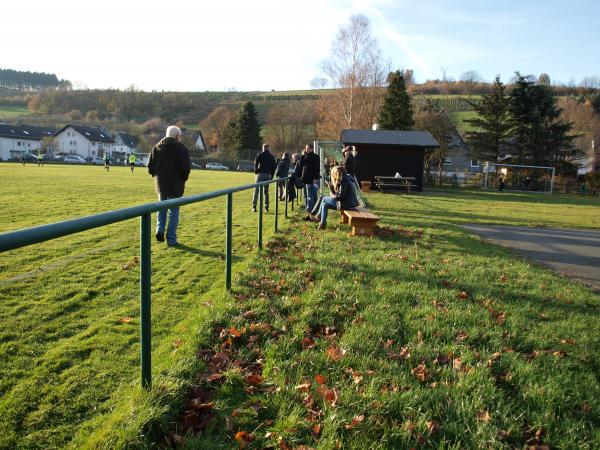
(310, 168)
(345, 195)
(283, 168)
(170, 166)
(265, 163)
(350, 164)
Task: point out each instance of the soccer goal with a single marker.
(516, 177)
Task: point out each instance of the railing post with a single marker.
(228, 242)
(145, 301)
(286, 197)
(260, 218)
(276, 204)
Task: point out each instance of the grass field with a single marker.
(427, 336)
(459, 117)
(11, 111)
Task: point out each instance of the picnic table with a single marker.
(395, 183)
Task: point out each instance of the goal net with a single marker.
(515, 177)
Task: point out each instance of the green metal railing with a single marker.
(21, 238)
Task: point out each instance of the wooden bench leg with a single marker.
(362, 231)
(343, 218)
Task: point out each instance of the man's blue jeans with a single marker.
(311, 191)
(161, 221)
(326, 203)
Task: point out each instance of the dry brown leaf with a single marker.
(243, 438)
(503, 278)
(199, 405)
(307, 343)
(420, 372)
(585, 407)
(457, 363)
(462, 295)
(316, 430)
(320, 379)
(355, 421)
(568, 341)
(329, 395)
(304, 387)
(433, 427)
(253, 379)
(483, 416)
(233, 331)
(335, 353)
(125, 319)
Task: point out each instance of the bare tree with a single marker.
(471, 78)
(358, 73)
(289, 126)
(318, 83)
(439, 125)
(215, 123)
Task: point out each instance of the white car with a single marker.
(97, 160)
(76, 159)
(216, 166)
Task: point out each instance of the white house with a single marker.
(18, 139)
(83, 141)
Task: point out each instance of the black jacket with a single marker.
(283, 168)
(170, 164)
(265, 163)
(310, 167)
(346, 195)
(350, 164)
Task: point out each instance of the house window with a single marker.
(447, 161)
(94, 143)
(29, 144)
(18, 143)
(474, 163)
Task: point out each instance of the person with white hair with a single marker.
(170, 166)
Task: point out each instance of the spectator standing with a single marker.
(106, 162)
(349, 162)
(310, 167)
(264, 168)
(170, 165)
(282, 171)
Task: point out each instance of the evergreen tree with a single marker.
(539, 136)
(492, 127)
(396, 112)
(249, 129)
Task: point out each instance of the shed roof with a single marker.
(389, 137)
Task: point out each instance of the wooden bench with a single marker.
(362, 221)
(396, 186)
(395, 183)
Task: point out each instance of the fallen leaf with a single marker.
(462, 295)
(304, 387)
(457, 363)
(503, 278)
(307, 343)
(329, 395)
(335, 353)
(125, 319)
(543, 316)
(483, 416)
(320, 379)
(244, 438)
(567, 341)
(433, 427)
(585, 407)
(355, 421)
(253, 379)
(178, 343)
(316, 430)
(235, 332)
(420, 372)
(199, 405)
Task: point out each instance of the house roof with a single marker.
(90, 133)
(389, 137)
(30, 132)
(129, 140)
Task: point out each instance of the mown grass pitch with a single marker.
(69, 353)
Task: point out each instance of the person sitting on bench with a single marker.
(342, 195)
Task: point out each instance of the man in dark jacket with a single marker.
(310, 173)
(264, 168)
(170, 166)
(282, 171)
(349, 162)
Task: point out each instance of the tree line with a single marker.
(28, 81)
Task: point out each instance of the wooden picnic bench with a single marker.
(395, 183)
(362, 221)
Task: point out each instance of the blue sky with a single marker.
(280, 44)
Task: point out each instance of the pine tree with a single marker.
(396, 112)
(539, 134)
(249, 129)
(492, 127)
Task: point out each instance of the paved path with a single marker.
(575, 253)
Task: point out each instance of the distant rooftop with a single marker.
(30, 132)
(389, 137)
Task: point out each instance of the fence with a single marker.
(21, 238)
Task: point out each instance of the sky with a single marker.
(263, 45)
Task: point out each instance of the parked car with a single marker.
(245, 168)
(30, 157)
(216, 166)
(97, 160)
(74, 159)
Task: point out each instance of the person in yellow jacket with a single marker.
(40, 159)
(132, 160)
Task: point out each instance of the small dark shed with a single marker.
(387, 152)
